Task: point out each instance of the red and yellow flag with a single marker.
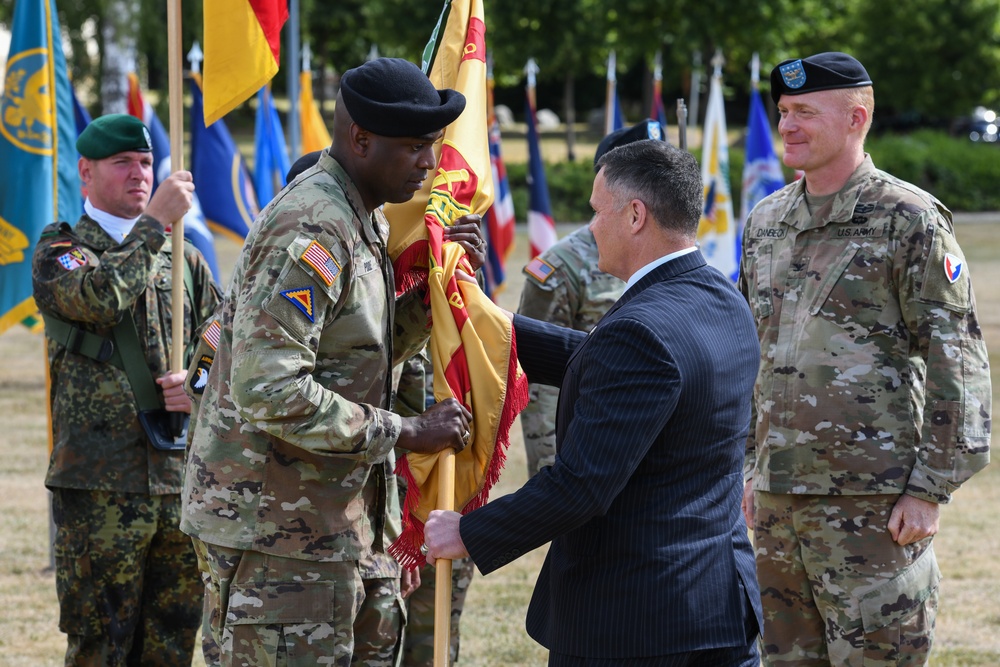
(242, 45)
(472, 342)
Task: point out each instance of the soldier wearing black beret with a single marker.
(286, 491)
(873, 401)
(126, 576)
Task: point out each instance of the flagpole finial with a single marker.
(717, 62)
(306, 58)
(195, 57)
(612, 66)
(755, 70)
(372, 53)
(531, 69)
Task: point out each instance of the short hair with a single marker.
(664, 178)
(863, 96)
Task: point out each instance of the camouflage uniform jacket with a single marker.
(874, 377)
(563, 286)
(81, 275)
(289, 453)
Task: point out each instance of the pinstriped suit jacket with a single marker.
(649, 551)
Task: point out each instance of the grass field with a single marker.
(968, 632)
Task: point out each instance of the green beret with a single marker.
(823, 71)
(111, 134)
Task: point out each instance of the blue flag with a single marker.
(39, 182)
(270, 161)
(541, 226)
(80, 114)
(762, 173)
(220, 174)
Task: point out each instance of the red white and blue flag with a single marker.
(541, 226)
(499, 227)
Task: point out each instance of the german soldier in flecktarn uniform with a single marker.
(126, 576)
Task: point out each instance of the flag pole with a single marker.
(176, 100)
(442, 574)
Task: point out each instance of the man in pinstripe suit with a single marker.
(650, 564)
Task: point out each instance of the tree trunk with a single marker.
(570, 104)
(119, 32)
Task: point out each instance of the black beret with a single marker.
(647, 129)
(823, 71)
(303, 163)
(393, 98)
(111, 134)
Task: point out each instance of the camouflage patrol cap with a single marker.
(823, 71)
(393, 98)
(111, 134)
(647, 129)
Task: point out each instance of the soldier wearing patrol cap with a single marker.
(873, 397)
(564, 286)
(126, 577)
(289, 466)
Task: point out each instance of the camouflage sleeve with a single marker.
(938, 307)
(412, 326)
(548, 301)
(410, 382)
(284, 323)
(750, 454)
(78, 284)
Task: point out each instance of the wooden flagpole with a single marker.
(176, 99)
(442, 575)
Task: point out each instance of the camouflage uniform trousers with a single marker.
(284, 612)
(836, 589)
(418, 639)
(126, 577)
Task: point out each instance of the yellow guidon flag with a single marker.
(472, 341)
(242, 44)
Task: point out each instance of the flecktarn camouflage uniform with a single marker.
(287, 476)
(564, 286)
(874, 382)
(126, 576)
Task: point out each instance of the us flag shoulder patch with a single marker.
(74, 259)
(539, 269)
(211, 335)
(301, 298)
(320, 259)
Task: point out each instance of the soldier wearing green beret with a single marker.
(290, 466)
(126, 577)
(872, 404)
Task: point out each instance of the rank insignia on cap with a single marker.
(539, 269)
(199, 379)
(653, 130)
(302, 298)
(74, 259)
(323, 262)
(952, 267)
(793, 74)
(211, 335)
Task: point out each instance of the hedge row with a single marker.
(962, 174)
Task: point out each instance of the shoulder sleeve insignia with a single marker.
(953, 267)
(320, 259)
(211, 335)
(74, 259)
(539, 269)
(302, 298)
(199, 379)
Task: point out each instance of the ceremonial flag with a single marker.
(717, 228)
(472, 343)
(195, 229)
(499, 220)
(315, 136)
(39, 182)
(220, 173)
(242, 50)
(656, 108)
(541, 226)
(80, 114)
(270, 160)
(613, 119)
(762, 173)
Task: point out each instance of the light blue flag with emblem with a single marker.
(270, 160)
(220, 174)
(762, 173)
(39, 182)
